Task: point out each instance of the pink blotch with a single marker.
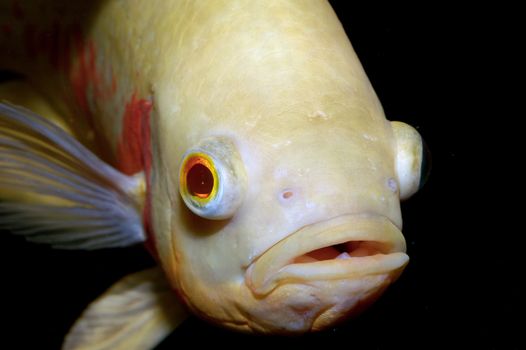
(135, 153)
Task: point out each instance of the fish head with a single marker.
(276, 179)
(289, 229)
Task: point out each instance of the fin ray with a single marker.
(76, 200)
(137, 312)
(56, 168)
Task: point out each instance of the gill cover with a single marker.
(212, 179)
(410, 159)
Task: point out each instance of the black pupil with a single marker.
(200, 181)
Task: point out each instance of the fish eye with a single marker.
(212, 179)
(411, 159)
(199, 178)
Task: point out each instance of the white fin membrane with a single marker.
(88, 204)
(137, 312)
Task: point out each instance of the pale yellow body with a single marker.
(281, 81)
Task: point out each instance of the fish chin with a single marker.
(313, 306)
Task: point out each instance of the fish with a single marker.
(240, 142)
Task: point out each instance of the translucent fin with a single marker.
(138, 312)
(54, 190)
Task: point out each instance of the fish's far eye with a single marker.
(411, 159)
(212, 179)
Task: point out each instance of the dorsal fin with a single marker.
(54, 190)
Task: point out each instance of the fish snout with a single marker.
(345, 247)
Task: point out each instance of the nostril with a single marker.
(287, 194)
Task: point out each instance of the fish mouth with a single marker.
(344, 247)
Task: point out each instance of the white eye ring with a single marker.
(212, 179)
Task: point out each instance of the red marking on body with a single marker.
(135, 153)
(133, 148)
(17, 11)
(86, 76)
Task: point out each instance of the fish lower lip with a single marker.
(344, 247)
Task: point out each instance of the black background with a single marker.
(462, 285)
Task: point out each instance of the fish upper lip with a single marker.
(277, 265)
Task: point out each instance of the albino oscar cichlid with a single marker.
(239, 140)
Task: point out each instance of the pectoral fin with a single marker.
(54, 190)
(138, 312)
